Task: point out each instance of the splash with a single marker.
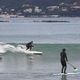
(19, 49)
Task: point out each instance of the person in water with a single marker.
(29, 45)
(63, 60)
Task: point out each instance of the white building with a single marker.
(37, 9)
(52, 8)
(76, 7)
(29, 10)
(64, 9)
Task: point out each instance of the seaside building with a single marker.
(52, 8)
(37, 9)
(28, 10)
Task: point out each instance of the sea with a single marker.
(49, 36)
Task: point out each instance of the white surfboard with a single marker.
(60, 74)
(32, 52)
(27, 52)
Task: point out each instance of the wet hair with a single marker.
(63, 49)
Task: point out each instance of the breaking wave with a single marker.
(4, 47)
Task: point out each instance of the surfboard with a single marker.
(28, 52)
(22, 49)
(60, 74)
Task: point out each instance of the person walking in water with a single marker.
(29, 45)
(63, 59)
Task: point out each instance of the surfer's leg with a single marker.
(27, 47)
(62, 63)
(62, 69)
(30, 48)
(65, 69)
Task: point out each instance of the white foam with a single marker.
(6, 47)
(19, 49)
(2, 50)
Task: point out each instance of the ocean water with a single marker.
(49, 38)
(19, 66)
(23, 30)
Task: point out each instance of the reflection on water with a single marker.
(64, 77)
(16, 63)
(30, 62)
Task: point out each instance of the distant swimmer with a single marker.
(29, 45)
(63, 59)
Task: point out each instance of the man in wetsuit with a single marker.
(63, 60)
(29, 45)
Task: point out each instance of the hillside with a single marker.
(41, 3)
(40, 7)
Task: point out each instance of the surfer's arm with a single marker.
(66, 57)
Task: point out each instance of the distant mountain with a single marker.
(41, 3)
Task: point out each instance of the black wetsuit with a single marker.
(63, 61)
(29, 45)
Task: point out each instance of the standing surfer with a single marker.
(63, 59)
(29, 45)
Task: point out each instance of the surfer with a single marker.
(29, 45)
(63, 60)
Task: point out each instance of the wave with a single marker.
(4, 47)
(18, 49)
